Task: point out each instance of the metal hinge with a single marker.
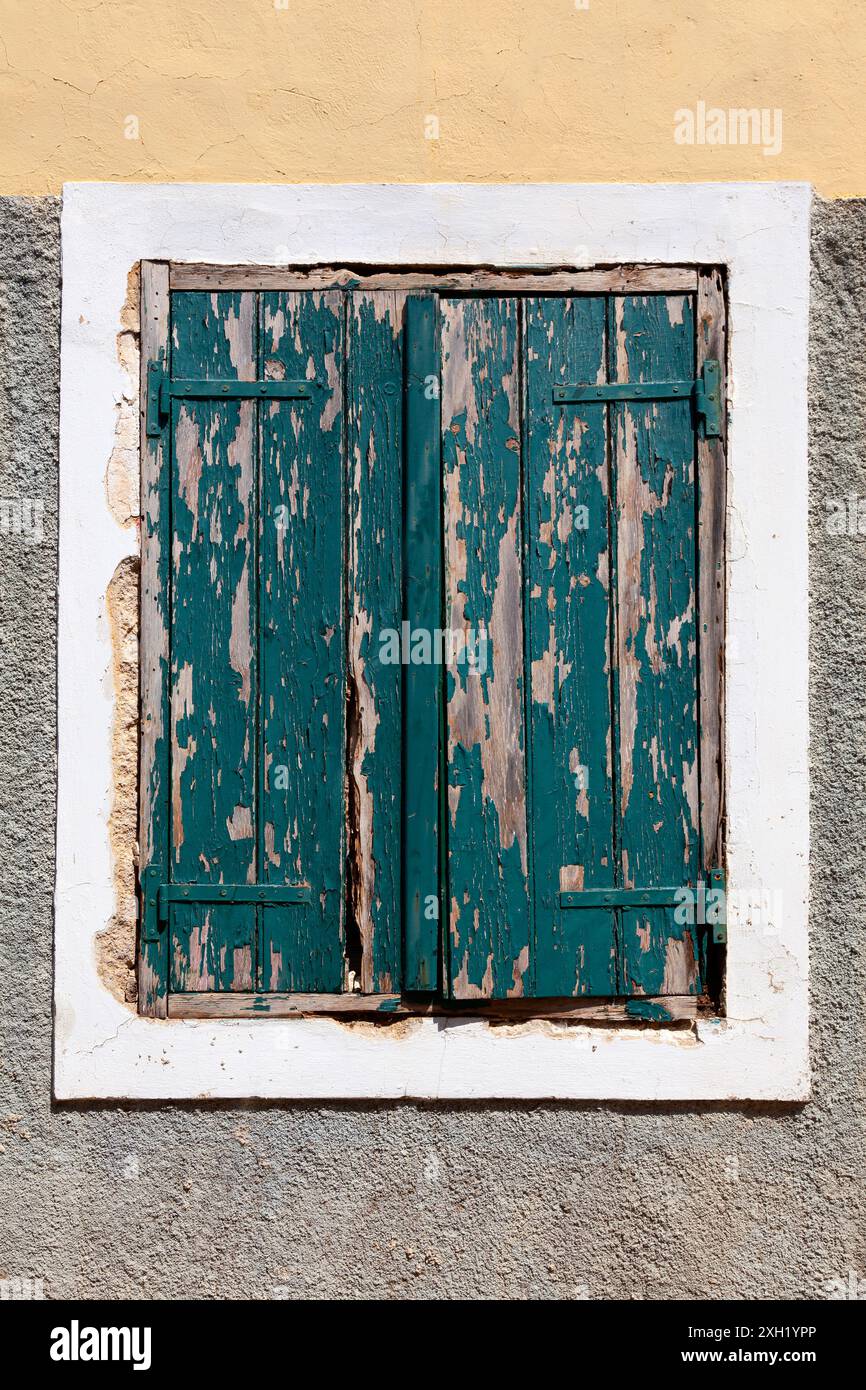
(621, 897)
(157, 897)
(150, 880)
(719, 906)
(162, 389)
(708, 905)
(704, 392)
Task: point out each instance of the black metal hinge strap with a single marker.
(230, 894)
(161, 390)
(709, 906)
(704, 391)
(157, 897)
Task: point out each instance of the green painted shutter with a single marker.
(488, 883)
(257, 647)
(280, 535)
(656, 693)
(569, 625)
(300, 602)
(213, 642)
(375, 468)
(319, 815)
(570, 539)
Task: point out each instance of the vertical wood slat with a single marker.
(652, 339)
(374, 353)
(488, 888)
(422, 679)
(213, 634)
(711, 485)
(568, 602)
(153, 645)
(303, 642)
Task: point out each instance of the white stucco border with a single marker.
(761, 232)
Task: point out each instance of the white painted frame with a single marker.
(761, 233)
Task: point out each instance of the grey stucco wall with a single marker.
(411, 1200)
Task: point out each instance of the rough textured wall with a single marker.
(429, 1200)
(417, 90)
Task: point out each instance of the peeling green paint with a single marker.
(301, 578)
(257, 642)
(488, 888)
(214, 670)
(375, 465)
(648, 1010)
(422, 683)
(653, 338)
(570, 756)
(568, 619)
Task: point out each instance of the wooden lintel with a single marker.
(622, 279)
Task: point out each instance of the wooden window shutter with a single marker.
(326, 467)
(583, 763)
(375, 471)
(253, 609)
(263, 513)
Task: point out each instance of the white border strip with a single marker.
(761, 232)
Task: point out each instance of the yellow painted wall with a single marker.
(340, 90)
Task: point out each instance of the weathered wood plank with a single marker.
(375, 465)
(153, 642)
(303, 642)
(711, 577)
(213, 642)
(282, 1004)
(652, 339)
(422, 679)
(624, 279)
(670, 1009)
(488, 894)
(568, 606)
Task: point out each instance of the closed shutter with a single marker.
(257, 655)
(270, 832)
(571, 539)
(329, 472)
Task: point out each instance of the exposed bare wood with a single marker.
(656, 660)
(622, 279)
(374, 478)
(488, 876)
(280, 1005)
(711, 577)
(213, 636)
(154, 312)
(588, 1010)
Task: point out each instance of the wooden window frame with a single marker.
(707, 283)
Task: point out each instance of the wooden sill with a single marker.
(666, 1009)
